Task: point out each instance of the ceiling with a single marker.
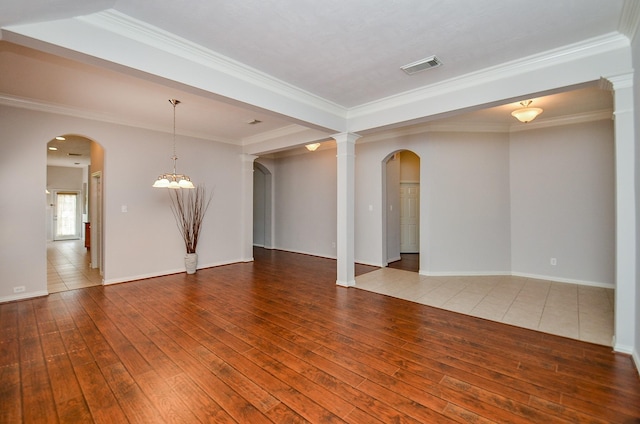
(343, 53)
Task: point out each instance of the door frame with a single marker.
(96, 220)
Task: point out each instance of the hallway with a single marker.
(68, 266)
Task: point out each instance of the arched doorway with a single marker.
(401, 192)
(262, 206)
(72, 161)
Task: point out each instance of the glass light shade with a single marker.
(173, 184)
(161, 183)
(185, 184)
(312, 147)
(526, 114)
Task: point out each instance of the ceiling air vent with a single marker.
(74, 154)
(421, 65)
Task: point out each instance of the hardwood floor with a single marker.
(277, 341)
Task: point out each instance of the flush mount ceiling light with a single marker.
(526, 114)
(422, 65)
(173, 180)
(312, 147)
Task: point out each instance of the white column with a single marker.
(625, 297)
(346, 204)
(247, 207)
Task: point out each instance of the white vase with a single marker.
(191, 262)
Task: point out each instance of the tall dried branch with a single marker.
(189, 207)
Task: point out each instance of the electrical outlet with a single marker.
(553, 262)
(19, 289)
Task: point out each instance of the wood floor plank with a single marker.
(9, 352)
(296, 402)
(276, 341)
(180, 347)
(38, 403)
(67, 394)
(354, 396)
(9, 321)
(10, 394)
(100, 399)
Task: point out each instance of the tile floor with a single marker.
(570, 310)
(68, 266)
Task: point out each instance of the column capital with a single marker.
(246, 157)
(346, 137)
(616, 82)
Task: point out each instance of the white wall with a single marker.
(563, 205)
(65, 178)
(141, 242)
(464, 222)
(145, 241)
(491, 203)
(23, 260)
(465, 204)
(305, 202)
(635, 53)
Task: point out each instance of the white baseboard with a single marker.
(169, 272)
(566, 280)
(23, 296)
(518, 274)
(370, 264)
(463, 273)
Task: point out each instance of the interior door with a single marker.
(66, 215)
(409, 218)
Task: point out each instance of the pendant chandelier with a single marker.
(173, 180)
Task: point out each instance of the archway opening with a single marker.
(401, 191)
(262, 207)
(73, 245)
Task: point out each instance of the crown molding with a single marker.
(273, 134)
(130, 28)
(54, 108)
(470, 127)
(597, 115)
(629, 19)
(282, 139)
(587, 48)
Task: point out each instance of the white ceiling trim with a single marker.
(474, 127)
(277, 133)
(47, 107)
(561, 55)
(578, 118)
(106, 37)
(284, 138)
(536, 75)
(126, 26)
(630, 19)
